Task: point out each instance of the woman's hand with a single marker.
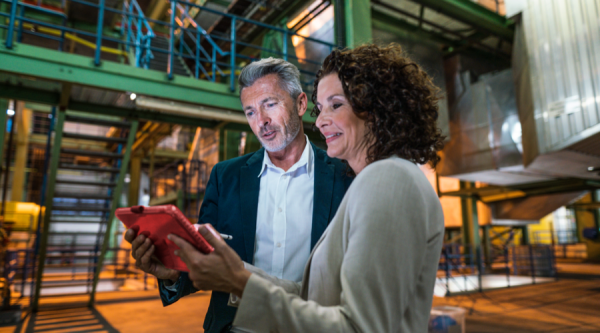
(221, 270)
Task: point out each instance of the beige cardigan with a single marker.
(373, 270)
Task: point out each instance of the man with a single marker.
(275, 203)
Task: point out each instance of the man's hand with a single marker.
(142, 250)
(221, 270)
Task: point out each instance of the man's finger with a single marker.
(141, 250)
(139, 240)
(145, 259)
(211, 235)
(130, 235)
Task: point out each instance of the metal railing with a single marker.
(561, 237)
(211, 55)
(19, 265)
(466, 265)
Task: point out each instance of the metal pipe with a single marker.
(11, 24)
(99, 33)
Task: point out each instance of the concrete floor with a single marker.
(571, 305)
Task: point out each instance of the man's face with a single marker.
(275, 118)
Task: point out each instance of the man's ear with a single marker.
(302, 104)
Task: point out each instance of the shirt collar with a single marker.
(305, 160)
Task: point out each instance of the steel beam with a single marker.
(384, 21)
(474, 15)
(114, 205)
(42, 63)
(54, 159)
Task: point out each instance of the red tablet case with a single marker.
(156, 223)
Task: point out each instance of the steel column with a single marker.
(114, 205)
(339, 23)
(54, 159)
(99, 32)
(357, 22)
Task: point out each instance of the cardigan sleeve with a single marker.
(385, 241)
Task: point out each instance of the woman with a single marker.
(374, 268)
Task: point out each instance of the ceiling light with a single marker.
(10, 112)
(132, 96)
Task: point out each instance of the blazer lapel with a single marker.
(324, 175)
(249, 189)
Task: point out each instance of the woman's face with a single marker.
(343, 130)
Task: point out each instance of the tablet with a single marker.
(156, 223)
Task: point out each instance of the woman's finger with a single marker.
(185, 249)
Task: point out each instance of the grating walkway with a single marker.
(566, 306)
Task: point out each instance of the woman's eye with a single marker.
(335, 106)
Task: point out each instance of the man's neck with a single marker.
(291, 154)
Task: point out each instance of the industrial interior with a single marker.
(117, 103)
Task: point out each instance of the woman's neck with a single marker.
(359, 162)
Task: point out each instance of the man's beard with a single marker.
(291, 130)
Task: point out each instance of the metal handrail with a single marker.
(137, 33)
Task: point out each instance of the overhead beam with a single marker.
(397, 26)
(42, 63)
(474, 15)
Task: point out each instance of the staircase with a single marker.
(160, 60)
(84, 186)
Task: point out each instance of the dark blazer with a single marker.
(230, 204)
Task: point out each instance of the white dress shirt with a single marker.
(284, 217)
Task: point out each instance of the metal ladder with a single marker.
(82, 198)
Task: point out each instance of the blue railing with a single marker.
(132, 26)
(213, 56)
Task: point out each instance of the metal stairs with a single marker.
(160, 60)
(83, 190)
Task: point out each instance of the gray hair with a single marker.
(288, 74)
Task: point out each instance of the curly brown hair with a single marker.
(395, 97)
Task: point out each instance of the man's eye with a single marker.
(249, 113)
(271, 105)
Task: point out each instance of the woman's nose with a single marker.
(322, 121)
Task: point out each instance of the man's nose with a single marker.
(263, 119)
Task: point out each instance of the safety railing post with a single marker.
(214, 64)
(479, 267)
(532, 263)
(11, 24)
(99, 27)
(197, 55)
(129, 30)
(447, 269)
(285, 44)
(20, 31)
(171, 40)
(138, 42)
(232, 56)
